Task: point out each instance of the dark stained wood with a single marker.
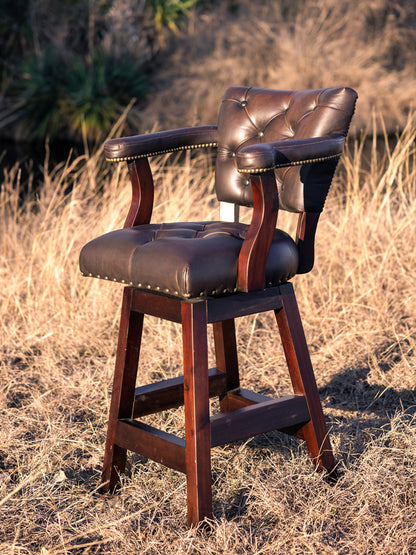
(197, 425)
(141, 206)
(255, 249)
(243, 304)
(128, 350)
(226, 357)
(305, 240)
(168, 394)
(160, 306)
(258, 418)
(152, 443)
(303, 380)
(244, 398)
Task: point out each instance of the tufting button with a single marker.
(233, 154)
(244, 103)
(261, 133)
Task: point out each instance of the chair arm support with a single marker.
(142, 193)
(256, 245)
(263, 157)
(151, 144)
(305, 240)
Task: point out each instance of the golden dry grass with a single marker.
(58, 336)
(295, 44)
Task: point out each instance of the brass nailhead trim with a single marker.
(158, 152)
(300, 163)
(157, 288)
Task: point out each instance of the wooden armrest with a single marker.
(136, 149)
(141, 146)
(263, 157)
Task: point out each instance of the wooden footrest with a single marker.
(250, 414)
(151, 442)
(241, 397)
(168, 394)
(279, 414)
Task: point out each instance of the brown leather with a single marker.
(249, 116)
(259, 131)
(185, 259)
(139, 146)
(262, 157)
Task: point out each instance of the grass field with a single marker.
(58, 331)
(58, 337)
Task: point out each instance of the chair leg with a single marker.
(122, 398)
(197, 421)
(296, 351)
(226, 357)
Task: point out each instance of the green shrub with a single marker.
(167, 12)
(58, 96)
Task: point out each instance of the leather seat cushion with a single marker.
(186, 259)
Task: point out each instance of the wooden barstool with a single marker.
(200, 273)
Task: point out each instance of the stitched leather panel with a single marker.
(250, 116)
(203, 254)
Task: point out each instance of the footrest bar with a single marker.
(278, 414)
(152, 443)
(240, 398)
(168, 394)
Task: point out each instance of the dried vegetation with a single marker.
(58, 337)
(368, 45)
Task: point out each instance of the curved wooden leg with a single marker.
(197, 421)
(122, 398)
(296, 351)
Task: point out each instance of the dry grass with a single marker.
(58, 336)
(368, 45)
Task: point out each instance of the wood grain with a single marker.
(258, 419)
(303, 380)
(255, 249)
(226, 357)
(122, 397)
(141, 206)
(168, 394)
(150, 442)
(197, 424)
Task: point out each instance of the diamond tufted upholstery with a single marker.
(204, 257)
(250, 116)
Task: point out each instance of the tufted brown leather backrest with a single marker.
(249, 116)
